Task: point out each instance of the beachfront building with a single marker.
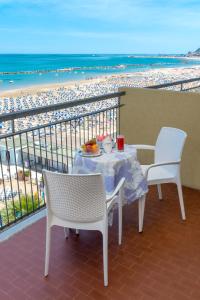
(43, 156)
(9, 153)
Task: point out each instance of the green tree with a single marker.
(21, 207)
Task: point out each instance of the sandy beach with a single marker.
(140, 79)
(46, 87)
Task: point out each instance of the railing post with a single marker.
(181, 87)
(13, 125)
(119, 101)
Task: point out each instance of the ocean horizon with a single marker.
(24, 70)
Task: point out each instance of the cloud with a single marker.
(128, 21)
(124, 12)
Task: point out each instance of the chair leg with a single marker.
(159, 191)
(47, 254)
(180, 195)
(120, 220)
(141, 207)
(105, 255)
(66, 232)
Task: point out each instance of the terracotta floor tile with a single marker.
(16, 293)
(82, 286)
(4, 295)
(82, 296)
(162, 263)
(98, 295)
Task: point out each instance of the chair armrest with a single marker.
(165, 163)
(144, 147)
(116, 191)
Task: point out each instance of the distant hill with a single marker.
(195, 53)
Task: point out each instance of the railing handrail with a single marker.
(53, 107)
(73, 118)
(158, 86)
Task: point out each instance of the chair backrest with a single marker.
(75, 198)
(169, 144)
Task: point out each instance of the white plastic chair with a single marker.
(80, 201)
(166, 168)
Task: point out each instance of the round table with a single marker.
(113, 166)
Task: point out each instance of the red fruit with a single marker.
(88, 148)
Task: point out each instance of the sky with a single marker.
(99, 26)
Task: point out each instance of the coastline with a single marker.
(34, 89)
(42, 95)
(173, 74)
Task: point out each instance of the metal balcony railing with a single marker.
(24, 153)
(181, 85)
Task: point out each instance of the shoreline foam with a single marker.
(174, 74)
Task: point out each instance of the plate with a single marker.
(84, 154)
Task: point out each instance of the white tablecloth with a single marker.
(114, 166)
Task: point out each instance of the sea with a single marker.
(24, 70)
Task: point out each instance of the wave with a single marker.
(63, 70)
(83, 69)
(121, 66)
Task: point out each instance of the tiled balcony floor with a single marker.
(161, 263)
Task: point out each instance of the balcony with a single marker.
(161, 263)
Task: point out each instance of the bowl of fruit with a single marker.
(90, 148)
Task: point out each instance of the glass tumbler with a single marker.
(120, 143)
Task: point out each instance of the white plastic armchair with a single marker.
(149, 167)
(166, 168)
(144, 147)
(80, 202)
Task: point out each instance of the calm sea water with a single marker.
(47, 68)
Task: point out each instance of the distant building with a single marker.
(11, 152)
